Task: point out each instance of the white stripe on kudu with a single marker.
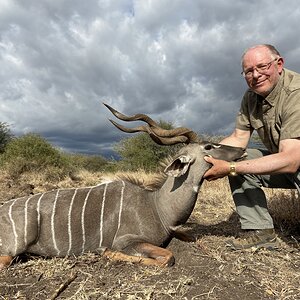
(39, 216)
(102, 214)
(52, 224)
(121, 204)
(26, 220)
(39, 213)
(69, 222)
(13, 225)
(82, 219)
(121, 208)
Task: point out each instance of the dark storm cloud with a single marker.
(178, 61)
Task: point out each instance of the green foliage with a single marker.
(92, 163)
(5, 136)
(31, 153)
(140, 152)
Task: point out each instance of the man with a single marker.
(271, 106)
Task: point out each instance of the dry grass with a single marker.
(203, 270)
(276, 272)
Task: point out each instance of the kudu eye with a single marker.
(208, 147)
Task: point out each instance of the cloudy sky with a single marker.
(176, 60)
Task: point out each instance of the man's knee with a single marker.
(244, 180)
(256, 153)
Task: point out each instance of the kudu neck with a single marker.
(176, 199)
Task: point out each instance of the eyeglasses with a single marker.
(262, 68)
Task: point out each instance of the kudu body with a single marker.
(119, 219)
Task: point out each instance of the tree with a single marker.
(5, 136)
(140, 152)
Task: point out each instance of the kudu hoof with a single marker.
(5, 261)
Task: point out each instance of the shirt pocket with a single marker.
(256, 123)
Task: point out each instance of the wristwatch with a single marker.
(232, 170)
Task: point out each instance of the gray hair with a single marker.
(273, 51)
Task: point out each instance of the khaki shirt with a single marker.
(276, 117)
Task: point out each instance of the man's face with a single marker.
(262, 70)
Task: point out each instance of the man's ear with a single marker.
(280, 64)
(178, 166)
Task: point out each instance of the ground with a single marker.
(204, 269)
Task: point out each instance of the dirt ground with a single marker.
(204, 269)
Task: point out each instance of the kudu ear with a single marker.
(179, 166)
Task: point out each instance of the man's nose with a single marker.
(255, 73)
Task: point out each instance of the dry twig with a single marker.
(63, 286)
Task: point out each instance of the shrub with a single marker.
(32, 153)
(140, 152)
(91, 163)
(5, 136)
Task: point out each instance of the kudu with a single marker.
(119, 219)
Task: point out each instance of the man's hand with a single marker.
(219, 169)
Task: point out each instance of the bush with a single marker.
(140, 152)
(5, 136)
(32, 153)
(91, 163)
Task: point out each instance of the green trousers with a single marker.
(250, 199)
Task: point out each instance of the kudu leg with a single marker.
(144, 253)
(184, 234)
(5, 261)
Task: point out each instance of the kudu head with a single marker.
(196, 149)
